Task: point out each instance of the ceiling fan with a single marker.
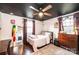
(41, 12)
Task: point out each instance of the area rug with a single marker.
(52, 50)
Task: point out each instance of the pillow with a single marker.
(32, 36)
(47, 33)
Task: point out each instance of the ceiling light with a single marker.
(40, 14)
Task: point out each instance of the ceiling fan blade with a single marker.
(48, 14)
(47, 8)
(34, 8)
(35, 14)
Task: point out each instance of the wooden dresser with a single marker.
(68, 41)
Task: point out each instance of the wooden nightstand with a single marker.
(56, 42)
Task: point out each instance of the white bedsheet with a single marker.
(38, 40)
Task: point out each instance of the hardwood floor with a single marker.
(28, 50)
(49, 49)
(3, 53)
(22, 50)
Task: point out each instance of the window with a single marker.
(68, 24)
(29, 27)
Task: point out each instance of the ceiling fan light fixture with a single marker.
(40, 14)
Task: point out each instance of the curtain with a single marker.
(60, 24)
(34, 27)
(76, 19)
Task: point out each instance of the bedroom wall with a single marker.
(49, 25)
(6, 31)
(38, 26)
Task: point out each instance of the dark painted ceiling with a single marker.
(22, 9)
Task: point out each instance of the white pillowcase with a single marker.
(46, 33)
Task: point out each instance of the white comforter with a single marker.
(38, 40)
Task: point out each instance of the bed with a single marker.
(38, 40)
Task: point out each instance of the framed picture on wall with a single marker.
(12, 21)
(56, 25)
